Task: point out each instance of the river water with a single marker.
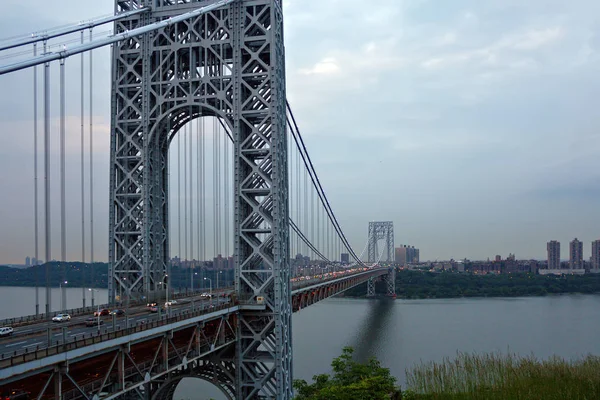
(405, 332)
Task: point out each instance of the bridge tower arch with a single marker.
(381, 230)
(228, 63)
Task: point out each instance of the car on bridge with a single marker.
(15, 394)
(102, 313)
(206, 296)
(61, 318)
(91, 321)
(117, 312)
(170, 303)
(6, 331)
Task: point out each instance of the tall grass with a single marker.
(506, 377)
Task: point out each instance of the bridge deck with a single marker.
(188, 320)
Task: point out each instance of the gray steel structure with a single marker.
(228, 63)
(379, 231)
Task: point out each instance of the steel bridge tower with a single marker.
(382, 231)
(228, 63)
(379, 231)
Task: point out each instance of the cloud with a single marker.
(327, 66)
(532, 39)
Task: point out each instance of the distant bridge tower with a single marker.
(379, 231)
(227, 63)
(382, 230)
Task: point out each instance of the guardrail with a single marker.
(312, 282)
(25, 355)
(76, 312)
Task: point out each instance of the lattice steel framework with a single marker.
(228, 63)
(377, 231)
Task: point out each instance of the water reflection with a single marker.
(374, 328)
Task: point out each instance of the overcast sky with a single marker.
(473, 125)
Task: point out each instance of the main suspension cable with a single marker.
(315, 179)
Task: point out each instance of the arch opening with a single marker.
(200, 205)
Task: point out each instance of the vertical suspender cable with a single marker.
(191, 210)
(290, 197)
(332, 242)
(203, 188)
(327, 237)
(305, 230)
(215, 197)
(47, 180)
(312, 214)
(318, 228)
(219, 202)
(83, 266)
(226, 197)
(179, 236)
(63, 225)
(91, 176)
(289, 161)
(298, 198)
(35, 186)
(169, 264)
(198, 183)
(185, 216)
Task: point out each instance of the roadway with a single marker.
(34, 336)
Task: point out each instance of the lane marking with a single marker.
(16, 344)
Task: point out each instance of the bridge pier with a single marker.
(371, 287)
(390, 279)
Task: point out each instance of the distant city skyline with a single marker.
(551, 246)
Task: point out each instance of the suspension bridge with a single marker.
(206, 159)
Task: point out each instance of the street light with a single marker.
(98, 310)
(210, 282)
(165, 279)
(63, 295)
(195, 273)
(220, 272)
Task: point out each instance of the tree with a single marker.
(351, 380)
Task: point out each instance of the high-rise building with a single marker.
(406, 255)
(218, 262)
(400, 255)
(596, 255)
(575, 254)
(345, 258)
(27, 262)
(553, 248)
